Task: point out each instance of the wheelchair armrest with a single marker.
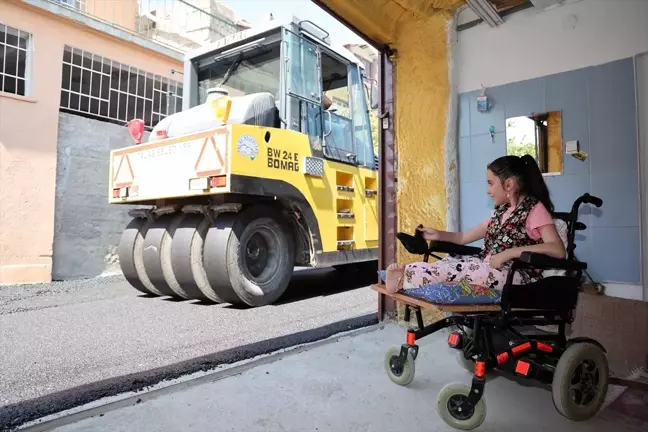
(414, 244)
(542, 261)
(453, 248)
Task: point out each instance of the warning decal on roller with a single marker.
(123, 176)
(211, 160)
(162, 169)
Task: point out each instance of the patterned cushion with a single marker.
(457, 293)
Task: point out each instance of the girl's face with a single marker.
(496, 189)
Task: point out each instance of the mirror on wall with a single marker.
(539, 135)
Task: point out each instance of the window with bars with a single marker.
(76, 4)
(99, 87)
(14, 60)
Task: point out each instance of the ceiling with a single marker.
(379, 21)
(504, 5)
(492, 12)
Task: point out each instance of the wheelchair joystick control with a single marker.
(418, 233)
(414, 244)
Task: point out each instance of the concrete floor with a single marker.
(338, 386)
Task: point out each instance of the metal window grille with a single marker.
(100, 87)
(14, 53)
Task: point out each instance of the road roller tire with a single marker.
(187, 258)
(157, 255)
(215, 257)
(130, 256)
(250, 256)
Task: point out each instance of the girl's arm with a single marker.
(552, 246)
(462, 238)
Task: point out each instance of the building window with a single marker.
(14, 61)
(99, 87)
(76, 4)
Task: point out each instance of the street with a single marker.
(69, 343)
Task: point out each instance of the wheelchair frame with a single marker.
(550, 301)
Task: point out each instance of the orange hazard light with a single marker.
(221, 108)
(218, 181)
(136, 129)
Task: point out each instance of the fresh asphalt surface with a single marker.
(69, 343)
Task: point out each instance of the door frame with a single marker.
(641, 100)
(387, 215)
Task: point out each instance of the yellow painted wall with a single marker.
(422, 94)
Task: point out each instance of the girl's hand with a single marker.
(429, 233)
(497, 261)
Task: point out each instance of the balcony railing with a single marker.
(179, 24)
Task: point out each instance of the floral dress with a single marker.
(501, 234)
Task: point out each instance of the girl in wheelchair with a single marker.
(521, 221)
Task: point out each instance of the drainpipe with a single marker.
(450, 163)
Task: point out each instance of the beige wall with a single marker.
(119, 12)
(28, 136)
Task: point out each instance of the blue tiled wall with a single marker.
(598, 109)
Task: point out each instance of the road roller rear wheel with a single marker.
(187, 258)
(250, 256)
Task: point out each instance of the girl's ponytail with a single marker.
(534, 182)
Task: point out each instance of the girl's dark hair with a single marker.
(527, 173)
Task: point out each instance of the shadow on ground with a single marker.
(311, 283)
(306, 284)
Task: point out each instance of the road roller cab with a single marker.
(269, 166)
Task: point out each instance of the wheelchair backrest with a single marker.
(567, 224)
(563, 231)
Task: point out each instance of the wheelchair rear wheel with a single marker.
(448, 405)
(580, 381)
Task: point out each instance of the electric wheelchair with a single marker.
(488, 334)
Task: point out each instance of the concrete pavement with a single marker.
(66, 344)
(337, 386)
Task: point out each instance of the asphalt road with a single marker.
(68, 343)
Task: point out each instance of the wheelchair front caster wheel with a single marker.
(400, 372)
(580, 381)
(449, 403)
